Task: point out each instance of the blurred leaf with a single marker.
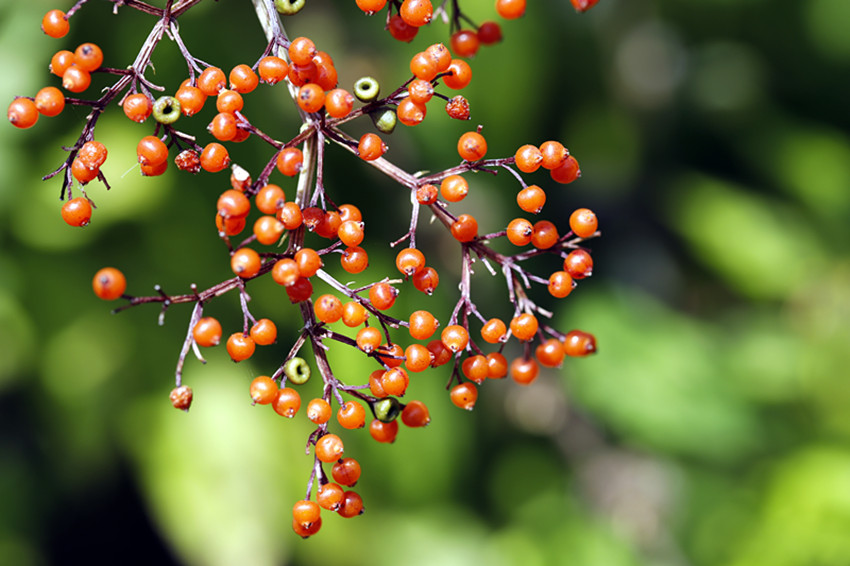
(659, 379)
(762, 249)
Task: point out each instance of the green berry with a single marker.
(366, 89)
(384, 119)
(386, 409)
(297, 371)
(289, 7)
(166, 109)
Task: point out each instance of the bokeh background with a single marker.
(711, 428)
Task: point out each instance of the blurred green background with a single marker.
(711, 429)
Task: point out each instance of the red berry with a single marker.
(109, 283)
(77, 211)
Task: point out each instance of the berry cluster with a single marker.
(297, 240)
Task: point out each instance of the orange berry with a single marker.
(329, 448)
(55, 24)
(22, 113)
(109, 283)
(207, 332)
(464, 395)
(77, 212)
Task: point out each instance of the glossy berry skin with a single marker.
(289, 161)
(287, 402)
(328, 308)
(88, 57)
(410, 113)
(214, 157)
(351, 505)
(464, 395)
(579, 264)
(304, 531)
(416, 13)
(22, 113)
(319, 411)
(494, 331)
(76, 79)
(460, 75)
(401, 30)
(54, 24)
(60, 62)
(465, 43)
(410, 261)
(243, 79)
(550, 353)
(524, 371)
(560, 284)
(371, 147)
(578, 343)
(497, 366)
(211, 81)
(311, 98)
(77, 212)
(354, 259)
(454, 188)
(524, 326)
(181, 397)
(151, 151)
(583, 5)
(583, 222)
(82, 172)
(264, 332)
(415, 414)
(240, 347)
(510, 9)
(338, 103)
(138, 107)
(544, 235)
(329, 448)
(567, 173)
(528, 158)
(531, 199)
(246, 263)
(350, 416)
(306, 512)
(472, 146)
(263, 390)
(489, 33)
(426, 280)
(384, 432)
(454, 337)
(382, 295)
(49, 101)
(346, 471)
(475, 368)
(109, 284)
(422, 325)
(207, 332)
(554, 154)
(465, 228)
(329, 496)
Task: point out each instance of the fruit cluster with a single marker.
(296, 240)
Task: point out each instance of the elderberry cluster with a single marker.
(296, 239)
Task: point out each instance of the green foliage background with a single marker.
(711, 429)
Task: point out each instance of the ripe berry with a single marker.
(211, 81)
(329, 496)
(520, 232)
(306, 512)
(304, 531)
(459, 75)
(287, 402)
(49, 101)
(426, 280)
(181, 397)
(422, 325)
(524, 371)
(390, 355)
(229, 225)
(489, 33)
(420, 91)
(454, 188)
(338, 103)
(109, 283)
(233, 203)
(465, 43)
(272, 69)
(417, 358)
(550, 353)
(81, 172)
(289, 161)
(560, 284)
(410, 261)
(368, 339)
(544, 235)
(350, 416)
(494, 331)
(240, 347)
(223, 126)
(22, 113)
(416, 13)
(351, 504)
(243, 79)
(567, 172)
(423, 66)
(290, 215)
(371, 6)
(465, 228)
(554, 154)
(579, 264)
(207, 332)
(497, 365)
(190, 98)
(88, 57)
(268, 230)
(151, 151)
(309, 261)
(440, 353)
(60, 62)
(524, 326)
(578, 343)
(464, 395)
(328, 308)
(472, 146)
(214, 157)
(382, 295)
(510, 9)
(55, 24)
(394, 382)
(311, 98)
(583, 5)
(351, 233)
(410, 113)
(475, 368)
(75, 79)
(415, 414)
(77, 212)
(302, 50)
(427, 194)
(454, 337)
(245, 263)
(285, 272)
(583, 222)
(371, 147)
(384, 432)
(401, 30)
(347, 470)
(329, 448)
(138, 107)
(531, 199)
(264, 332)
(319, 411)
(354, 259)
(263, 390)
(354, 314)
(270, 199)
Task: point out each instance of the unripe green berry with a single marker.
(166, 109)
(384, 119)
(289, 7)
(297, 371)
(367, 89)
(386, 409)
